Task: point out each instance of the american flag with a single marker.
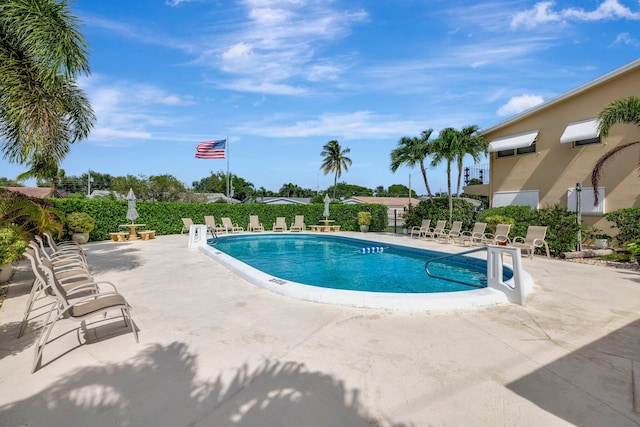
(211, 149)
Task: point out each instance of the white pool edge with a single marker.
(408, 302)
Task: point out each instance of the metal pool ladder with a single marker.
(495, 265)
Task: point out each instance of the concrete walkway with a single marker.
(217, 351)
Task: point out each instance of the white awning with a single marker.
(514, 141)
(579, 131)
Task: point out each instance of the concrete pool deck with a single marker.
(216, 350)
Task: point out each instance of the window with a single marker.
(522, 150)
(596, 140)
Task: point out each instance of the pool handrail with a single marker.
(495, 265)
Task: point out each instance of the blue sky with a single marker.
(281, 78)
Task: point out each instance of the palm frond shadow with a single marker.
(160, 386)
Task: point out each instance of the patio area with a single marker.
(216, 350)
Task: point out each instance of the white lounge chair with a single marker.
(422, 229)
(230, 227)
(255, 224)
(298, 224)
(474, 236)
(453, 233)
(500, 237)
(280, 224)
(534, 239)
(186, 224)
(79, 310)
(436, 231)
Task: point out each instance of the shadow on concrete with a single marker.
(595, 385)
(10, 345)
(103, 258)
(160, 387)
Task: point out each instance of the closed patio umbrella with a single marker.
(132, 213)
(326, 206)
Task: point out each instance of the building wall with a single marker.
(556, 167)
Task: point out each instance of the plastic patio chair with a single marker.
(534, 239)
(298, 224)
(186, 224)
(500, 237)
(422, 229)
(280, 224)
(255, 224)
(436, 231)
(474, 236)
(230, 227)
(79, 310)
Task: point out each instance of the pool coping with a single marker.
(379, 300)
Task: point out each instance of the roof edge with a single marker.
(575, 91)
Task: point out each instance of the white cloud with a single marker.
(281, 41)
(127, 110)
(625, 39)
(543, 13)
(520, 103)
(358, 125)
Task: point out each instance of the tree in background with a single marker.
(335, 160)
(217, 183)
(446, 149)
(46, 172)
(469, 144)
(400, 190)
(625, 110)
(42, 110)
(412, 151)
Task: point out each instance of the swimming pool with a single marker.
(403, 299)
(358, 265)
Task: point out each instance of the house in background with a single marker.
(39, 192)
(538, 156)
(284, 200)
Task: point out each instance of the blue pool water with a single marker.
(353, 264)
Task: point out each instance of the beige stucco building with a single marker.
(537, 157)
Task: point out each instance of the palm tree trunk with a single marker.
(335, 184)
(426, 182)
(459, 177)
(449, 189)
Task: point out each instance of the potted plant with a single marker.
(12, 246)
(364, 221)
(601, 240)
(634, 248)
(80, 224)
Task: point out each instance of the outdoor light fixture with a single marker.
(579, 216)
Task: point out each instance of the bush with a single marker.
(12, 245)
(493, 220)
(166, 218)
(627, 221)
(80, 222)
(439, 210)
(364, 218)
(521, 216)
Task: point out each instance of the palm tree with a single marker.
(42, 52)
(446, 148)
(412, 151)
(469, 144)
(625, 110)
(44, 169)
(335, 161)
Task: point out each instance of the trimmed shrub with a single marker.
(627, 221)
(521, 216)
(166, 218)
(439, 210)
(493, 221)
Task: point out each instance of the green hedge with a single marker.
(627, 221)
(439, 210)
(521, 215)
(166, 218)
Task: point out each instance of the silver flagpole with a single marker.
(228, 173)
